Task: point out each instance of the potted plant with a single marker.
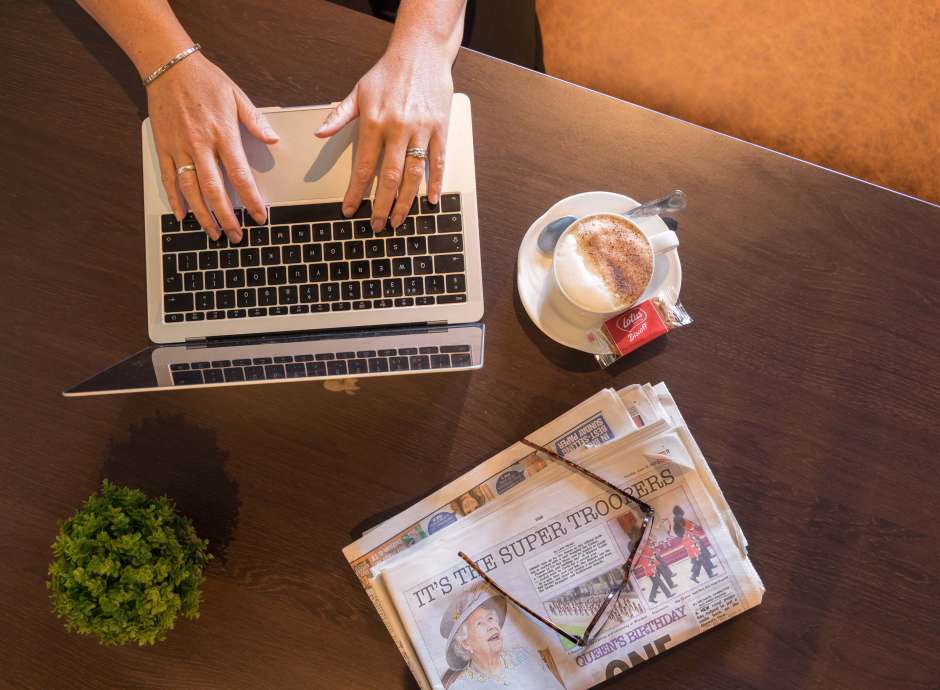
(125, 567)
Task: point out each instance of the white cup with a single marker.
(659, 243)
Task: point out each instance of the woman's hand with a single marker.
(402, 102)
(195, 110)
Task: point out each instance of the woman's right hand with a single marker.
(195, 110)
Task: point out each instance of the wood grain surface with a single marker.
(809, 377)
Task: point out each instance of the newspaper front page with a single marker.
(557, 543)
(599, 419)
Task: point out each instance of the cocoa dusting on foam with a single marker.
(619, 253)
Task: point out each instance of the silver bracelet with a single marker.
(179, 57)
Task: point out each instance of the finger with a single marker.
(436, 151)
(411, 181)
(254, 120)
(363, 170)
(390, 176)
(213, 191)
(189, 184)
(345, 112)
(168, 175)
(239, 173)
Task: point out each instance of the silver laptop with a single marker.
(309, 294)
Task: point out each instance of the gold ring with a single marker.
(189, 167)
(417, 152)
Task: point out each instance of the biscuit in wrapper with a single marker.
(637, 326)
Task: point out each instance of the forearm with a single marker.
(146, 30)
(428, 27)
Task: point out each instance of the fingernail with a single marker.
(236, 236)
(377, 225)
(270, 133)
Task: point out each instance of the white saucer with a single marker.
(553, 314)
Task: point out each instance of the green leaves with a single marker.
(125, 567)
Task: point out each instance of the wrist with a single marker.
(147, 58)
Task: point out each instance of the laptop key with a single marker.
(333, 251)
(168, 223)
(460, 360)
(375, 249)
(434, 285)
(378, 365)
(274, 371)
(195, 316)
(236, 313)
(190, 223)
(342, 231)
(318, 272)
(297, 274)
(228, 258)
(426, 225)
(392, 287)
(417, 245)
(381, 268)
(193, 281)
(371, 289)
(449, 222)
(427, 206)
(312, 252)
(246, 297)
(339, 270)
(215, 280)
(185, 241)
(450, 202)
(254, 373)
(250, 257)
(388, 352)
(178, 301)
(407, 227)
(213, 376)
(300, 309)
(234, 278)
(277, 275)
(187, 378)
(220, 243)
(316, 369)
(187, 261)
(451, 299)
(225, 299)
(215, 315)
(205, 300)
(307, 213)
(259, 237)
(401, 266)
(221, 363)
(440, 361)
(179, 366)
(325, 356)
(291, 254)
(362, 229)
(337, 367)
(448, 263)
(357, 366)
(300, 234)
(322, 233)
(456, 282)
(255, 312)
(424, 301)
(354, 250)
(441, 244)
(267, 296)
(329, 292)
(382, 303)
(395, 247)
(422, 265)
(277, 311)
(414, 286)
(398, 364)
(256, 276)
(404, 302)
(244, 362)
(351, 291)
(296, 370)
(287, 294)
(309, 293)
(407, 350)
(455, 348)
(359, 269)
(341, 306)
(419, 362)
(233, 374)
(362, 304)
(172, 281)
(270, 256)
(280, 234)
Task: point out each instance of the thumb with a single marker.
(345, 112)
(254, 120)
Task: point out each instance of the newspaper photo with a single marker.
(599, 419)
(558, 543)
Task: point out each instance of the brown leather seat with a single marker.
(850, 84)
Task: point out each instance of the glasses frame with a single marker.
(648, 516)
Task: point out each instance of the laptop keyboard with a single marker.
(308, 259)
(321, 364)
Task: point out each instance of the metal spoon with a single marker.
(671, 203)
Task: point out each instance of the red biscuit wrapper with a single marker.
(639, 325)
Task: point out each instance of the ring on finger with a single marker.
(189, 167)
(416, 152)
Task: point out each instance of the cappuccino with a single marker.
(603, 263)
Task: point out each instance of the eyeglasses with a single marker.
(607, 605)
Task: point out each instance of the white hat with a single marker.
(458, 612)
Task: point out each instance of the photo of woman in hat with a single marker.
(476, 658)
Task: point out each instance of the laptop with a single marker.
(309, 294)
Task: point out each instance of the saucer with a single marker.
(555, 316)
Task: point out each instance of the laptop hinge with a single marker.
(196, 341)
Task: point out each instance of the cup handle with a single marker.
(664, 241)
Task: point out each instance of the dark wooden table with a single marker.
(809, 377)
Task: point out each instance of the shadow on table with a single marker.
(102, 48)
(169, 455)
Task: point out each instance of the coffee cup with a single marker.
(603, 263)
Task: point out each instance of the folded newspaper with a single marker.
(557, 541)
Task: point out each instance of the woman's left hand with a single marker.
(402, 102)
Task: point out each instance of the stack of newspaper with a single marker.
(551, 537)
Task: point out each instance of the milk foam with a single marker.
(603, 263)
(579, 281)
